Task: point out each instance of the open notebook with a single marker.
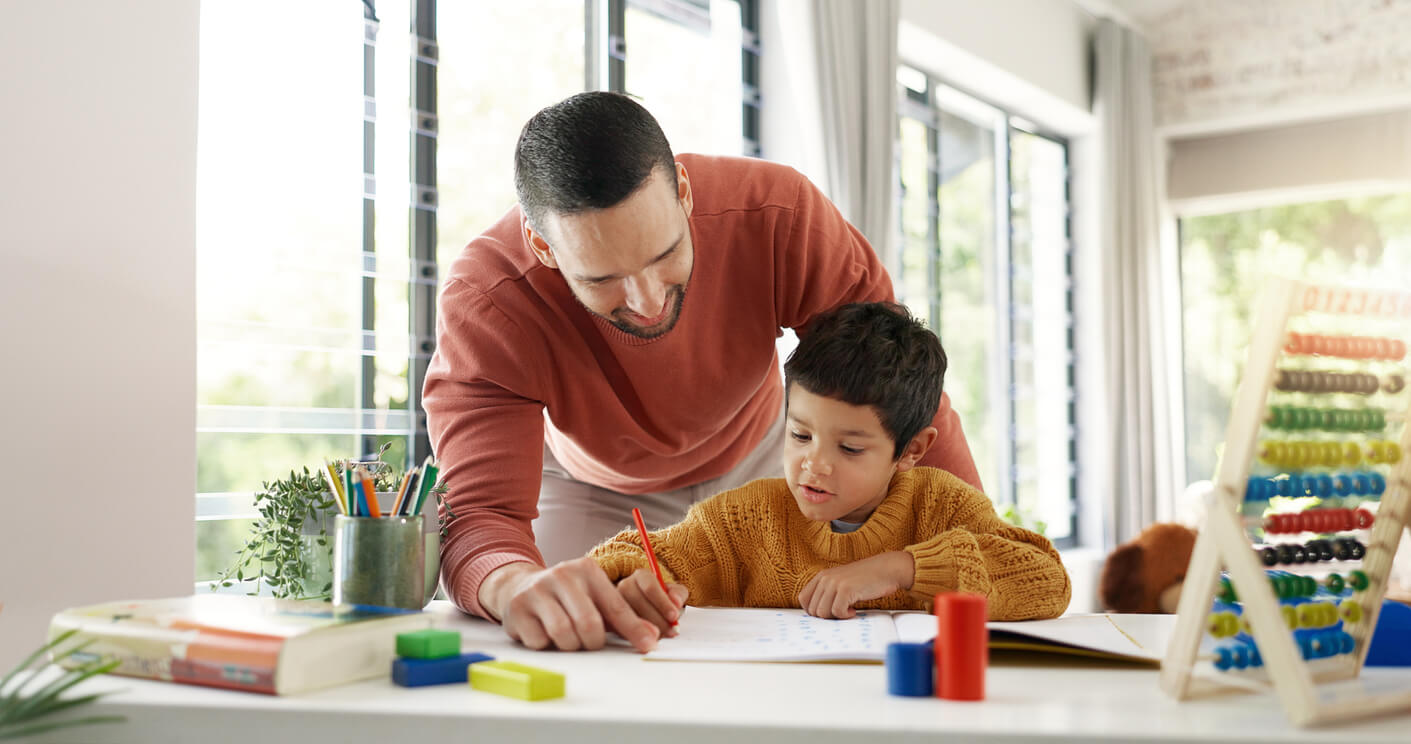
(731, 634)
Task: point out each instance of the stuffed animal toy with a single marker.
(1145, 574)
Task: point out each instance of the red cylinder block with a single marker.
(962, 645)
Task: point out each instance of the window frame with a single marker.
(924, 107)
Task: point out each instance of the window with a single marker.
(363, 145)
(1225, 259)
(984, 259)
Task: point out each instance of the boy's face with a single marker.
(837, 457)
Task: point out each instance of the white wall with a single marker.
(97, 312)
(1220, 66)
(1031, 57)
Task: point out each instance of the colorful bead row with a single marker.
(1357, 301)
(1314, 551)
(1291, 586)
(1347, 347)
(1318, 520)
(1313, 381)
(1326, 419)
(1321, 485)
(1239, 655)
(1286, 453)
(1319, 644)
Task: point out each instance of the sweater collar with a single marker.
(892, 516)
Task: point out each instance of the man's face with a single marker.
(628, 264)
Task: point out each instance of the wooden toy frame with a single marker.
(1223, 543)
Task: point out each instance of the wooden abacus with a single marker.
(1270, 657)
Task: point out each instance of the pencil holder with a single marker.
(379, 561)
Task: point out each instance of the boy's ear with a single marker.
(916, 448)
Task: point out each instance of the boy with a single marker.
(855, 523)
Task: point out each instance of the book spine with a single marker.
(173, 655)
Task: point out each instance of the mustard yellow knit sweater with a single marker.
(751, 547)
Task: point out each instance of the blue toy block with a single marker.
(1391, 640)
(911, 671)
(443, 671)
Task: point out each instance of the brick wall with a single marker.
(1238, 59)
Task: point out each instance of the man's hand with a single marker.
(565, 606)
(832, 592)
(643, 592)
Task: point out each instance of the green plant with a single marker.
(27, 715)
(1024, 518)
(283, 551)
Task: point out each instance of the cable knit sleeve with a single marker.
(684, 551)
(973, 550)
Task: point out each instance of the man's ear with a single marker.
(683, 189)
(539, 246)
(917, 447)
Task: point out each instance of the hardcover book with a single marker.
(256, 644)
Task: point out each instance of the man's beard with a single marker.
(675, 299)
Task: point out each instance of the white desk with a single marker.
(616, 696)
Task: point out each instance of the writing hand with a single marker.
(832, 592)
(568, 606)
(643, 592)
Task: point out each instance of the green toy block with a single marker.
(516, 680)
(428, 644)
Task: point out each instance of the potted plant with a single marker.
(290, 548)
(28, 715)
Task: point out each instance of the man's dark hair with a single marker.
(873, 354)
(588, 151)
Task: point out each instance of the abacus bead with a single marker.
(1283, 380)
(1358, 579)
(1393, 384)
(1290, 616)
(1255, 658)
(1393, 453)
(1308, 616)
(1352, 454)
(1363, 519)
(1285, 556)
(1299, 554)
(1334, 583)
(1325, 485)
(1310, 551)
(1308, 485)
(1227, 590)
(1342, 550)
(1225, 659)
(1346, 643)
(1276, 417)
(1342, 484)
(1268, 556)
(1397, 351)
(1241, 657)
(1351, 611)
(1376, 484)
(1358, 549)
(1305, 646)
(1361, 483)
(1309, 585)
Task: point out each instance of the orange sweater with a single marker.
(751, 547)
(628, 414)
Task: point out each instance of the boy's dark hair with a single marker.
(588, 151)
(873, 354)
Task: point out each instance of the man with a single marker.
(610, 343)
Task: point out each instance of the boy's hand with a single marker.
(832, 592)
(644, 595)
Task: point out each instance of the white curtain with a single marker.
(1139, 375)
(856, 52)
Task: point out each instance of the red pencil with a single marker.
(651, 556)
